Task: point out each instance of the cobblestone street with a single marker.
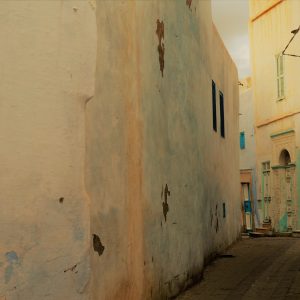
(262, 268)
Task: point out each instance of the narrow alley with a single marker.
(258, 268)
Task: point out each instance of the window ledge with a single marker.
(280, 99)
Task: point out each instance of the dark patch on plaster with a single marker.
(217, 219)
(225, 256)
(72, 269)
(165, 204)
(160, 31)
(61, 199)
(189, 3)
(98, 247)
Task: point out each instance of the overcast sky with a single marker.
(231, 19)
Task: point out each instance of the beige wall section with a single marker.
(273, 31)
(269, 35)
(48, 51)
(246, 118)
(146, 131)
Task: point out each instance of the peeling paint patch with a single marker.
(8, 273)
(98, 247)
(165, 204)
(11, 256)
(72, 269)
(160, 31)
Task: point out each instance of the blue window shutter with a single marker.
(242, 140)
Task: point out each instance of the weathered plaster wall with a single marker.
(270, 34)
(120, 198)
(157, 173)
(48, 51)
(246, 125)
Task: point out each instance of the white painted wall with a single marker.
(47, 60)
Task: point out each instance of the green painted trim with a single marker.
(281, 133)
(263, 193)
(284, 167)
(283, 223)
(298, 189)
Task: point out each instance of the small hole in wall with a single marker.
(61, 199)
(224, 210)
(97, 244)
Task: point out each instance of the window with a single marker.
(242, 140)
(214, 105)
(224, 210)
(266, 166)
(222, 127)
(280, 76)
(266, 188)
(266, 178)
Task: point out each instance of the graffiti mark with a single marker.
(165, 204)
(160, 31)
(98, 247)
(189, 3)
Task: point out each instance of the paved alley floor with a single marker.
(260, 268)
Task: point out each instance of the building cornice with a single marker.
(276, 118)
(266, 10)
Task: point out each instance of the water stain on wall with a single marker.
(160, 31)
(12, 259)
(189, 3)
(98, 247)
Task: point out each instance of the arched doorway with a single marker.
(284, 158)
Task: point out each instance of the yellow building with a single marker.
(276, 87)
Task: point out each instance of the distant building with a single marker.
(276, 90)
(250, 215)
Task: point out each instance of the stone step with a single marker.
(256, 234)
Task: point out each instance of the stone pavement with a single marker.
(261, 268)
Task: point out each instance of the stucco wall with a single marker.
(104, 120)
(48, 54)
(246, 125)
(149, 135)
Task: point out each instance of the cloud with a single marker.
(231, 19)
